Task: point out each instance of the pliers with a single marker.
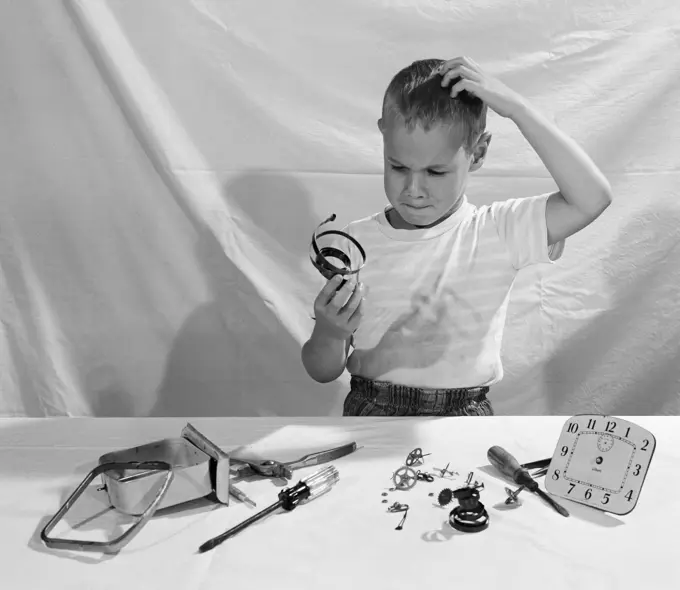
(244, 468)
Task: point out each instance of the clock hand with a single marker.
(510, 467)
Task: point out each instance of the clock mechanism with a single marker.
(601, 461)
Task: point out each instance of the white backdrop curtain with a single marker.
(163, 164)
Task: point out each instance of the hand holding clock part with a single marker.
(338, 307)
(510, 467)
(338, 312)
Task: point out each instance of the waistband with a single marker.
(407, 399)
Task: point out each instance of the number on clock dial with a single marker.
(592, 424)
(589, 491)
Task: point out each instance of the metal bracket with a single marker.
(117, 544)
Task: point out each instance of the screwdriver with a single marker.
(315, 485)
(510, 467)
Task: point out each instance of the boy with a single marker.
(427, 339)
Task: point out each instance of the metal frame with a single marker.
(115, 545)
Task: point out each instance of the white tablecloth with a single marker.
(345, 539)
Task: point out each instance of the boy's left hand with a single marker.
(493, 92)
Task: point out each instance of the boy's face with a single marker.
(425, 172)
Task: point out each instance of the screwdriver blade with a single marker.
(561, 509)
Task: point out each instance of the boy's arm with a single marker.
(338, 311)
(325, 357)
(584, 192)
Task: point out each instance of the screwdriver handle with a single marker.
(510, 467)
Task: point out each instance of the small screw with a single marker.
(385, 501)
(384, 493)
(469, 478)
(512, 496)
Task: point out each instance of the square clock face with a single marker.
(601, 461)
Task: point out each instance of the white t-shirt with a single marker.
(437, 298)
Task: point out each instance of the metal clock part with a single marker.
(601, 461)
(329, 260)
(423, 476)
(513, 499)
(469, 516)
(445, 496)
(404, 478)
(444, 471)
(397, 507)
(415, 457)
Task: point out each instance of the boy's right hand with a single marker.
(338, 312)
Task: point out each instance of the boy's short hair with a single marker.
(416, 95)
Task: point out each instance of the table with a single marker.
(345, 539)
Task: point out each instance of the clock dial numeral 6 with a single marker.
(601, 461)
(588, 494)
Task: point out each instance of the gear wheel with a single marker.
(415, 457)
(404, 478)
(445, 496)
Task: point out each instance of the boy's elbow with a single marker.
(605, 199)
(323, 378)
(315, 370)
(319, 374)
